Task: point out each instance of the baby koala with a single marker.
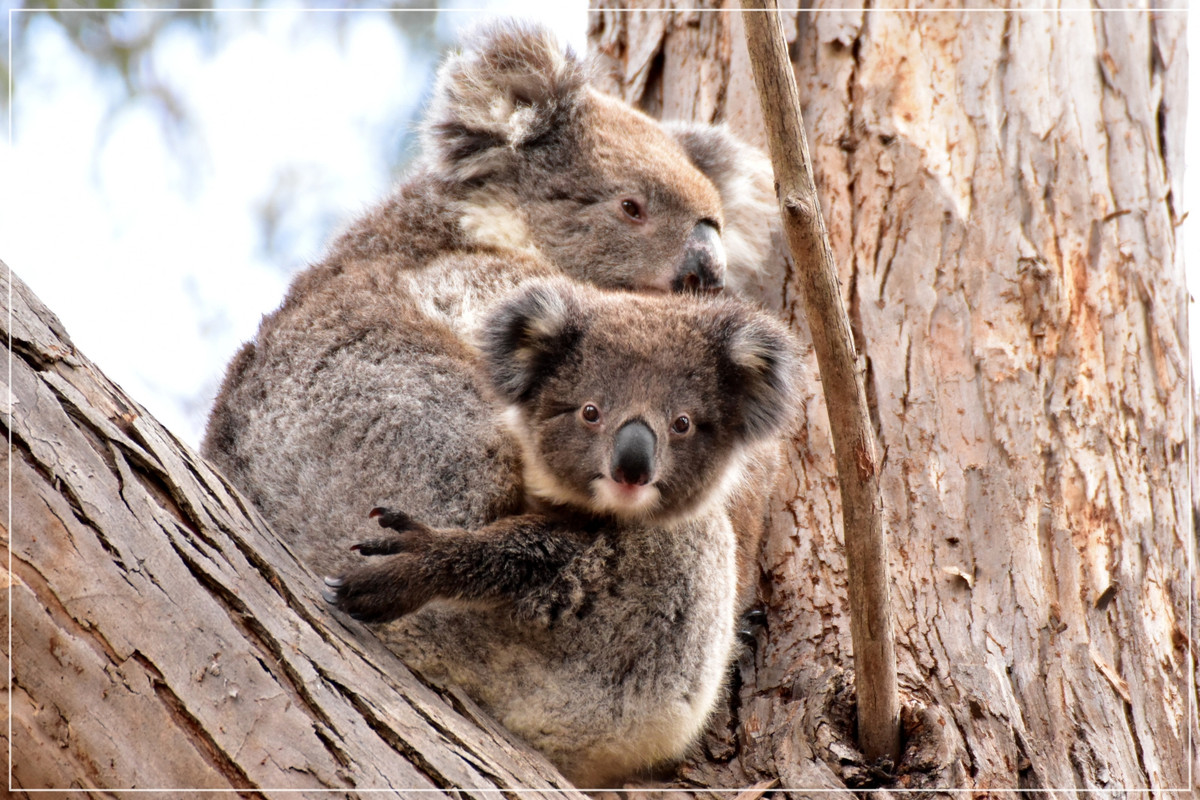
(599, 624)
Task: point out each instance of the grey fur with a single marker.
(364, 387)
(601, 627)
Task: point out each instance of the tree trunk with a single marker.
(999, 188)
(163, 639)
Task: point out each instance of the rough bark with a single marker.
(999, 189)
(163, 639)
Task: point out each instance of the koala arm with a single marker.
(537, 563)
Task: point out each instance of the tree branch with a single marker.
(164, 638)
(853, 436)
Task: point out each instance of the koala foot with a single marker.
(753, 620)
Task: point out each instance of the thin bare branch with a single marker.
(853, 436)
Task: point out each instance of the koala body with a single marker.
(598, 625)
(361, 389)
(365, 387)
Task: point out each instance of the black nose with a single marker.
(633, 454)
(702, 268)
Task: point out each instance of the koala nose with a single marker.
(633, 454)
(702, 268)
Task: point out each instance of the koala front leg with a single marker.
(507, 560)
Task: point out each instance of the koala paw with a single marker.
(411, 535)
(385, 590)
(378, 592)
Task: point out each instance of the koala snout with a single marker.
(633, 454)
(702, 268)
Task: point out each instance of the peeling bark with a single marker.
(162, 638)
(1000, 194)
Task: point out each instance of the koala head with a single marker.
(636, 406)
(546, 161)
(746, 181)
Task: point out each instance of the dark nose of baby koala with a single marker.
(633, 454)
(703, 266)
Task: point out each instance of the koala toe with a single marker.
(396, 519)
(383, 546)
(410, 535)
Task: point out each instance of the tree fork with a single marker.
(853, 437)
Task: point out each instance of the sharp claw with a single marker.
(329, 596)
(334, 583)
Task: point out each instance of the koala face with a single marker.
(549, 163)
(638, 407)
(628, 209)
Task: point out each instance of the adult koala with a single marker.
(359, 389)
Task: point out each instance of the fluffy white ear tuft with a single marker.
(765, 369)
(525, 338)
(511, 85)
(746, 182)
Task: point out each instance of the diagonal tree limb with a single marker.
(163, 638)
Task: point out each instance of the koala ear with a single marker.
(764, 369)
(746, 182)
(528, 335)
(511, 85)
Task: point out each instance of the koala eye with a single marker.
(632, 209)
(590, 414)
(681, 425)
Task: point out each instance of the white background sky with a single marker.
(157, 270)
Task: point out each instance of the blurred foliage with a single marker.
(119, 39)
(122, 43)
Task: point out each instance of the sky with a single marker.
(152, 250)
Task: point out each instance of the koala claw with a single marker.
(752, 622)
(330, 592)
(755, 617)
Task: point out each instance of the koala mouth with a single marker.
(623, 499)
